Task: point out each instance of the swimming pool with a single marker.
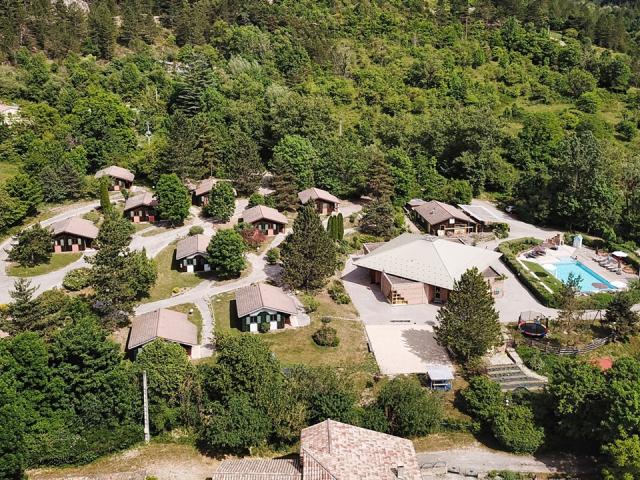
(590, 280)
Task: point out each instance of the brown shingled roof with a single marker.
(145, 199)
(435, 212)
(162, 323)
(317, 194)
(261, 296)
(75, 226)
(191, 245)
(262, 212)
(116, 172)
(348, 452)
(274, 469)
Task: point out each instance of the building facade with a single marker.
(260, 304)
(73, 235)
(141, 208)
(266, 219)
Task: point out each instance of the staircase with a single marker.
(511, 377)
(396, 298)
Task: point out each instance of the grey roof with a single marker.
(246, 469)
(262, 212)
(162, 323)
(317, 194)
(427, 259)
(435, 212)
(481, 214)
(116, 172)
(145, 199)
(192, 245)
(415, 202)
(261, 296)
(439, 372)
(75, 226)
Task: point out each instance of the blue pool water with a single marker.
(590, 280)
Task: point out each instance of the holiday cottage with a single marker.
(141, 208)
(191, 254)
(266, 219)
(442, 219)
(120, 177)
(73, 234)
(325, 203)
(259, 305)
(163, 323)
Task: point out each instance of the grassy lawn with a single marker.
(544, 276)
(195, 317)
(58, 261)
(295, 345)
(169, 277)
(154, 230)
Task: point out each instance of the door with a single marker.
(273, 325)
(253, 327)
(437, 295)
(190, 268)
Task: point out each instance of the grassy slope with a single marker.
(170, 278)
(58, 261)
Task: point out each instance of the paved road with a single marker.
(482, 459)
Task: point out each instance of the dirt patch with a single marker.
(164, 461)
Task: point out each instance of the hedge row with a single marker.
(510, 251)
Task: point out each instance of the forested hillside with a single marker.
(450, 103)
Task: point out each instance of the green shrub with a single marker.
(338, 293)
(501, 230)
(77, 279)
(588, 102)
(627, 130)
(326, 336)
(310, 303)
(196, 230)
(515, 428)
(273, 256)
(264, 327)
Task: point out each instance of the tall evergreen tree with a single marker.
(102, 29)
(468, 322)
(378, 218)
(183, 154)
(21, 309)
(308, 254)
(105, 201)
(286, 193)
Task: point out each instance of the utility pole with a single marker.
(145, 403)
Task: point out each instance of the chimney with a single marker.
(400, 470)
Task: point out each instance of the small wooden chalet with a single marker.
(266, 219)
(141, 208)
(325, 203)
(200, 191)
(120, 177)
(443, 220)
(261, 303)
(191, 254)
(163, 323)
(73, 234)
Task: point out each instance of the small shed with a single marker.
(440, 377)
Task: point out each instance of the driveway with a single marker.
(405, 349)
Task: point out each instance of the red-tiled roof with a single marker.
(262, 212)
(75, 226)
(348, 452)
(275, 469)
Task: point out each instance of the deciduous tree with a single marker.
(33, 246)
(222, 202)
(226, 254)
(173, 199)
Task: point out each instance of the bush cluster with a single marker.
(77, 279)
(338, 293)
(326, 336)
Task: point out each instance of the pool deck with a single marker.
(585, 256)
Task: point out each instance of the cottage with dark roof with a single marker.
(442, 219)
(325, 203)
(261, 303)
(266, 219)
(73, 234)
(120, 177)
(141, 208)
(163, 323)
(191, 254)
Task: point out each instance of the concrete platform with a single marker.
(405, 349)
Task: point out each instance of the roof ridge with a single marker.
(444, 264)
(258, 285)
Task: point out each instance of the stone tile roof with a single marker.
(145, 199)
(416, 202)
(116, 172)
(435, 212)
(191, 245)
(337, 450)
(262, 212)
(261, 296)
(317, 194)
(162, 323)
(275, 469)
(75, 226)
(428, 259)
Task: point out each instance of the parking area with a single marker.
(404, 349)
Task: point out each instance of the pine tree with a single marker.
(380, 183)
(340, 227)
(105, 201)
(222, 202)
(468, 322)
(286, 194)
(102, 30)
(308, 254)
(183, 153)
(21, 309)
(331, 228)
(378, 218)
